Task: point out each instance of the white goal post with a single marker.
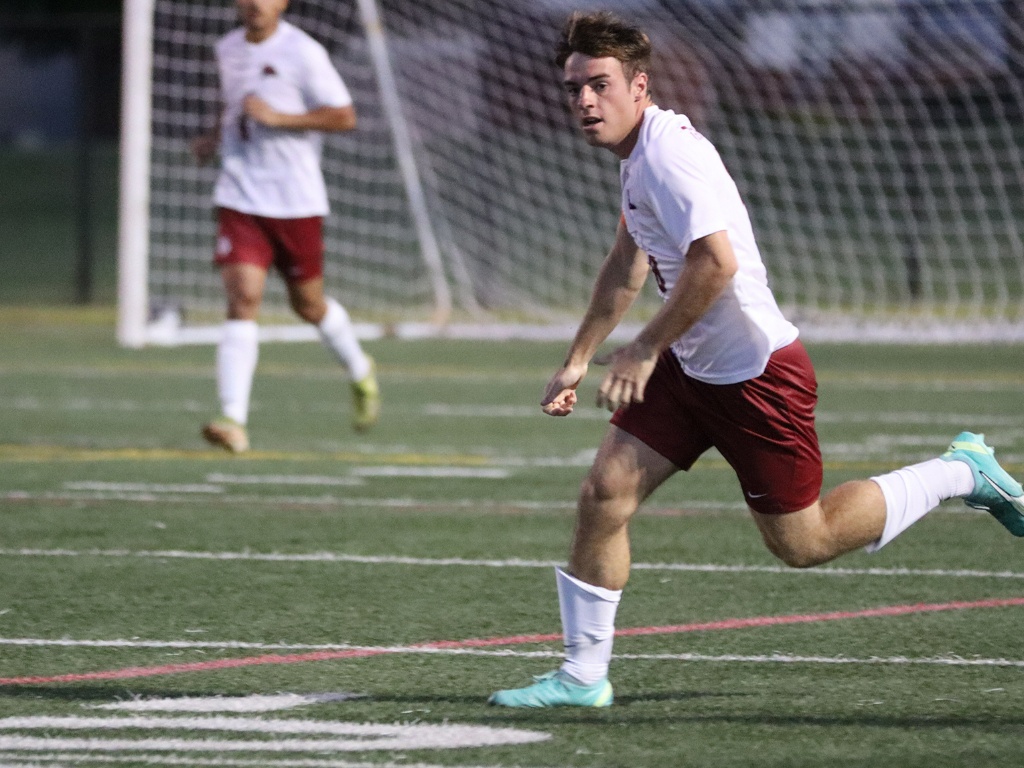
(878, 144)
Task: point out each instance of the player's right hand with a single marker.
(560, 394)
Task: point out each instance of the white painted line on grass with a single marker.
(483, 411)
(217, 477)
(324, 500)
(250, 704)
(329, 500)
(283, 701)
(95, 485)
(783, 658)
(448, 410)
(337, 557)
(772, 658)
(79, 758)
(487, 473)
(346, 737)
(512, 640)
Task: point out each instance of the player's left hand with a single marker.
(629, 368)
(260, 111)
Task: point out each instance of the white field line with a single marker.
(886, 382)
(772, 658)
(336, 557)
(95, 485)
(484, 410)
(400, 456)
(217, 477)
(327, 373)
(330, 500)
(253, 704)
(323, 500)
(353, 478)
(29, 743)
(62, 759)
(831, 417)
(428, 735)
(485, 473)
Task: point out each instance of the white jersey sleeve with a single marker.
(324, 86)
(679, 185)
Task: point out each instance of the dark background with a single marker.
(60, 74)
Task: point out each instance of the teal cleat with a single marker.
(555, 689)
(994, 490)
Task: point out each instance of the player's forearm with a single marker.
(615, 290)
(709, 267)
(326, 119)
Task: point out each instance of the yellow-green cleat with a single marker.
(994, 490)
(228, 434)
(366, 400)
(556, 689)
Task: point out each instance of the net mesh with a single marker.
(878, 144)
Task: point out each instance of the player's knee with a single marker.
(605, 500)
(599, 489)
(243, 304)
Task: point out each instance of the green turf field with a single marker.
(317, 602)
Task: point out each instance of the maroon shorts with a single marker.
(294, 246)
(763, 427)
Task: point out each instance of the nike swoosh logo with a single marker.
(1016, 501)
(755, 495)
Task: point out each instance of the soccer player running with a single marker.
(280, 91)
(717, 366)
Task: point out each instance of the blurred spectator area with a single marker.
(59, 75)
(60, 91)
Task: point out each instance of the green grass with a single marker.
(101, 466)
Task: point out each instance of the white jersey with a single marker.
(675, 189)
(271, 171)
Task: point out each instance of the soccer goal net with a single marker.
(879, 146)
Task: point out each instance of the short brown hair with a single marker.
(600, 34)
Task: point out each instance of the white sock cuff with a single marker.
(961, 477)
(241, 330)
(888, 532)
(607, 595)
(335, 316)
(911, 492)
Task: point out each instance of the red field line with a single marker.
(355, 653)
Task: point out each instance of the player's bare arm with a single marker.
(619, 281)
(710, 265)
(204, 146)
(326, 119)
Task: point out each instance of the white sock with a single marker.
(588, 627)
(912, 492)
(237, 353)
(339, 336)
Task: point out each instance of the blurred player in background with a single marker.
(279, 92)
(718, 366)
